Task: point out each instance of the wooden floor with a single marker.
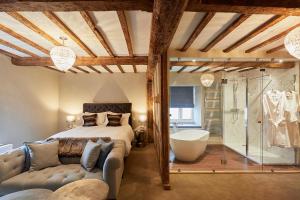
(142, 181)
(212, 160)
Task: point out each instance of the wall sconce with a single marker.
(70, 121)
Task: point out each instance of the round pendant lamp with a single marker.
(63, 57)
(292, 42)
(207, 79)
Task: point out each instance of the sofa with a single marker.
(13, 178)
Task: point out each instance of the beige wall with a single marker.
(34, 101)
(28, 103)
(76, 89)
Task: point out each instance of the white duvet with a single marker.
(124, 133)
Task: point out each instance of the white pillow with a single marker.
(124, 119)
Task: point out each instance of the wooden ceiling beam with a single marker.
(272, 39)
(33, 27)
(124, 25)
(271, 22)
(202, 24)
(134, 68)
(201, 66)
(58, 22)
(11, 55)
(248, 69)
(15, 47)
(275, 49)
(121, 68)
(238, 21)
(275, 7)
(88, 19)
(165, 20)
(107, 69)
(84, 61)
(181, 69)
(23, 39)
(75, 5)
(93, 68)
(73, 71)
(80, 69)
(240, 64)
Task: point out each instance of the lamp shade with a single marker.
(62, 57)
(70, 118)
(142, 118)
(292, 42)
(207, 79)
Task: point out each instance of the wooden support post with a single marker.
(150, 110)
(165, 120)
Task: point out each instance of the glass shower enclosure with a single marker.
(244, 123)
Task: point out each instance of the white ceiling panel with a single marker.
(245, 28)
(21, 29)
(187, 25)
(217, 24)
(6, 37)
(13, 51)
(272, 31)
(141, 68)
(77, 24)
(100, 68)
(127, 68)
(109, 23)
(139, 24)
(44, 23)
(113, 68)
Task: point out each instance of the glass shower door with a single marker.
(234, 122)
(254, 120)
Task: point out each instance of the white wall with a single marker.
(76, 89)
(28, 103)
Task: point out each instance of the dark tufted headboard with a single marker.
(104, 107)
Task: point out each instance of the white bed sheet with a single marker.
(124, 133)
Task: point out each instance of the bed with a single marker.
(124, 133)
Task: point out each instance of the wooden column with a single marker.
(150, 110)
(165, 120)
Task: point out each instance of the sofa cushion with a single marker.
(43, 155)
(106, 147)
(90, 155)
(11, 163)
(50, 178)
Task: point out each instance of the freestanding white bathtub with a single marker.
(188, 145)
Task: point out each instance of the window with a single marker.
(182, 104)
(184, 115)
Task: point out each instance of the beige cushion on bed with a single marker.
(43, 155)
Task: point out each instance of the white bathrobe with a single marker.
(274, 106)
(292, 117)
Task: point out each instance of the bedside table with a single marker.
(140, 135)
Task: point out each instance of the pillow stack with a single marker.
(105, 119)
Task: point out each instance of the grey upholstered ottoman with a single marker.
(91, 189)
(32, 194)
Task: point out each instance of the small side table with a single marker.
(140, 135)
